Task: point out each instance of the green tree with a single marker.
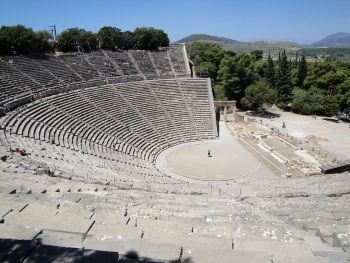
(127, 40)
(235, 74)
(283, 81)
(307, 102)
(331, 105)
(345, 85)
(296, 60)
(22, 40)
(228, 77)
(344, 103)
(257, 54)
(149, 38)
(269, 74)
(76, 39)
(219, 92)
(330, 81)
(89, 41)
(301, 72)
(206, 58)
(43, 41)
(72, 39)
(206, 69)
(257, 94)
(109, 38)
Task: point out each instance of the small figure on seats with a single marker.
(209, 153)
(23, 152)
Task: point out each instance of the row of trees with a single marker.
(321, 88)
(21, 39)
(112, 38)
(25, 40)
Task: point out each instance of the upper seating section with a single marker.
(142, 59)
(162, 63)
(56, 66)
(31, 74)
(13, 82)
(177, 57)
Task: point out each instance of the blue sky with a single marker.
(303, 21)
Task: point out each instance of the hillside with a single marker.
(272, 47)
(337, 40)
(320, 54)
(205, 37)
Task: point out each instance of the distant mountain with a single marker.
(272, 47)
(337, 40)
(205, 37)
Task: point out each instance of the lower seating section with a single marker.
(107, 218)
(102, 167)
(62, 220)
(326, 219)
(138, 119)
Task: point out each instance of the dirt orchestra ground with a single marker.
(229, 160)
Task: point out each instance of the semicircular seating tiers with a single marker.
(118, 109)
(139, 119)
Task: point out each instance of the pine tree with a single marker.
(302, 72)
(279, 58)
(278, 68)
(296, 60)
(283, 81)
(270, 72)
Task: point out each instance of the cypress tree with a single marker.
(270, 72)
(284, 82)
(296, 60)
(302, 72)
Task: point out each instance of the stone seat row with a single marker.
(128, 219)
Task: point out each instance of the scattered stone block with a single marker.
(293, 195)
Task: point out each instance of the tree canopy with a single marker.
(206, 57)
(149, 38)
(257, 94)
(109, 37)
(76, 39)
(321, 88)
(24, 40)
